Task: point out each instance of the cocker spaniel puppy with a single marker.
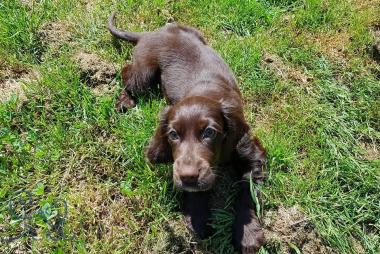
(203, 125)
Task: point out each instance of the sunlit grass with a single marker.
(68, 143)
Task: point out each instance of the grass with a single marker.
(67, 143)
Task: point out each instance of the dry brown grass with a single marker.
(287, 226)
(286, 72)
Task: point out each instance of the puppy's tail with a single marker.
(124, 35)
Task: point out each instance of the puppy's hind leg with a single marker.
(136, 79)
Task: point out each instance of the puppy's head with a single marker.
(191, 133)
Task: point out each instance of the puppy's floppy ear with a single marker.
(252, 157)
(159, 149)
(235, 125)
(250, 153)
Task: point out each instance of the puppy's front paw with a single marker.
(248, 236)
(197, 213)
(199, 226)
(124, 102)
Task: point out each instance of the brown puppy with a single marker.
(202, 127)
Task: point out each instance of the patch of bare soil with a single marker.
(334, 46)
(12, 81)
(55, 34)
(359, 249)
(370, 151)
(11, 87)
(360, 5)
(96, 72)
(284, 71)
(11, 72)
(28, 3)
(289, 226)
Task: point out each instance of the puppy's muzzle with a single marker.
(193, 175)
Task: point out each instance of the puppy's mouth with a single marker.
(193, 187)
(204, 183)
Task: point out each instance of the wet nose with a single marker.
(189, 176)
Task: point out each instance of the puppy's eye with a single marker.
(173, 135)
(209, 133)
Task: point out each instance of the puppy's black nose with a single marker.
(189, 177)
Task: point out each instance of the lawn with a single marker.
(73, 177)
